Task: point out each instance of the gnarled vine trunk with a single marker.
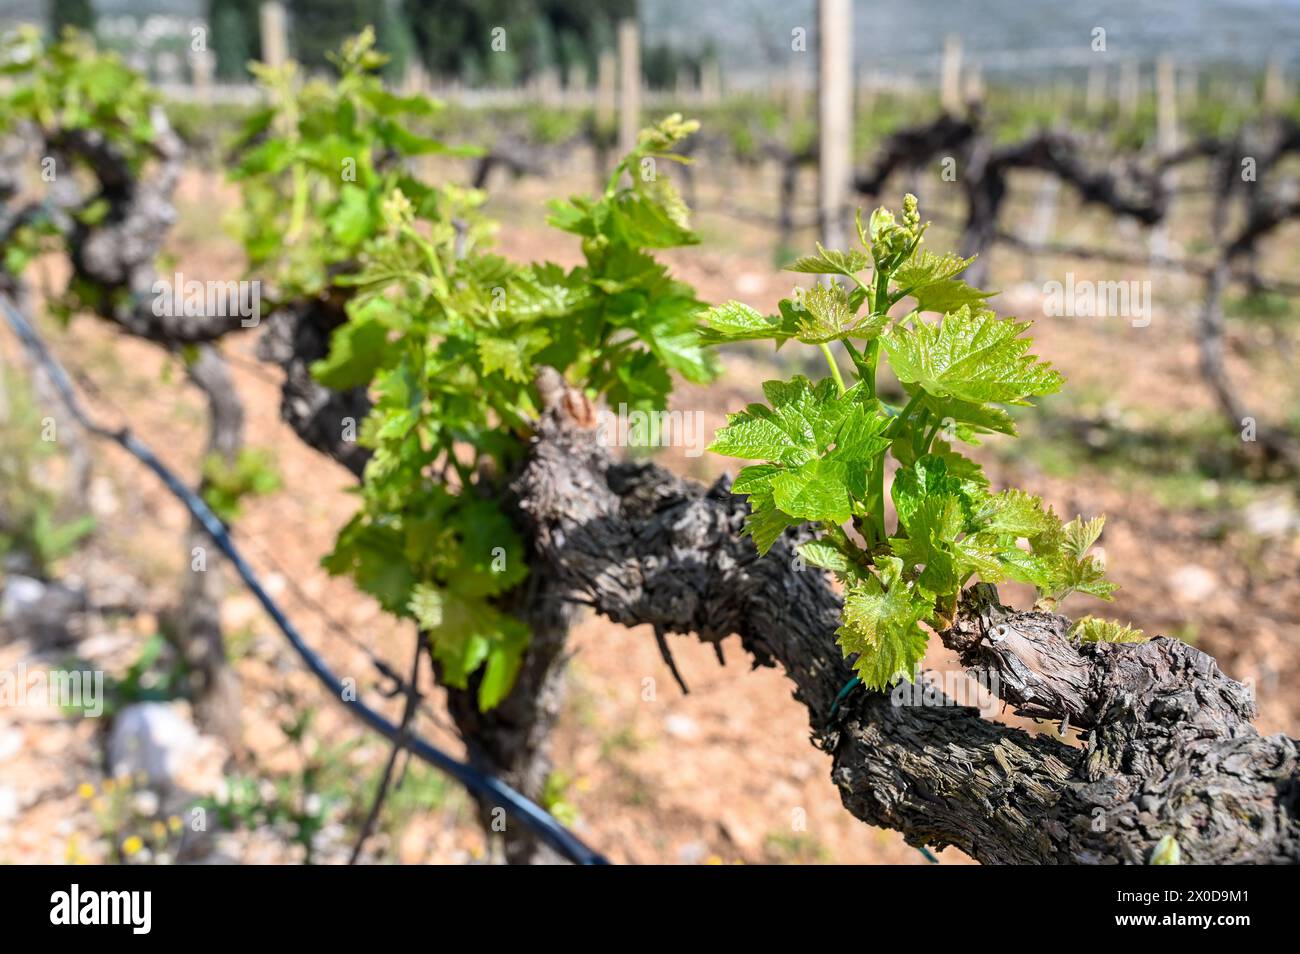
(1168, 746)
(512, 740)
(213, 683)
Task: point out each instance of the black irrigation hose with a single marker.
(488, 787)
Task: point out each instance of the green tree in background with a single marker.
(574, 55)
(318, 27)
(396, 39)
(71, 13)
(235, 36)
(661, 63)
(455, 36)
(499, 42)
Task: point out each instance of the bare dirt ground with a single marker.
(724, 774)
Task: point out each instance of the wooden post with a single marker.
(1095, 98)
(1129, 89)
(795, 102)
(835, 117)
(548, 87)
(950, 76)
(1274, 86)
(606, 87)
(1189, 88)
(275, 33)
(711, 83)
(684, 90)
(1044, 215)
(629, 86)
(1166, 107)
(974, 86)
(415, 81)
(575, 83)
(1166, 142)
(1247, 96)
(203, 66)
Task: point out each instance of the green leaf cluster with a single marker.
(823, 446)
(316, 163)
(67, 87)
(83, 105)
(447, 337)
(1090, 629)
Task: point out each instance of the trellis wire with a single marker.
(531, 815)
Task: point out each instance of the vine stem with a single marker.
(298, 213)
(928, 437)
(877, 491)
(399, 743)
(877, 473)
(899, 421)
(835, 368)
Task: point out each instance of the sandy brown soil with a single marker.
(724, 774)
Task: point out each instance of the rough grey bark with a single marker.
(785, 204)
(983, 167)
(327, 420)
(512, 741)
(1264, 212)
(985, 186)
(117, 256)
(1169, 748)
(213, 683)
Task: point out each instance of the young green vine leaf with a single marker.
(823, 445)
(447, 337)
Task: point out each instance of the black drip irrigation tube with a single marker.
(488, 787)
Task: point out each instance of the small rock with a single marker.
(1192, 583)
(108, 646)
(160, 740)
(145, 803)
(11, 742)
(692, 853)
(681, 726)
(102, 498)
(740, 835)
(1274, 517)
(802, 770)
(116, 591)
(39, 612)
(8, 803)
(239, 611)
